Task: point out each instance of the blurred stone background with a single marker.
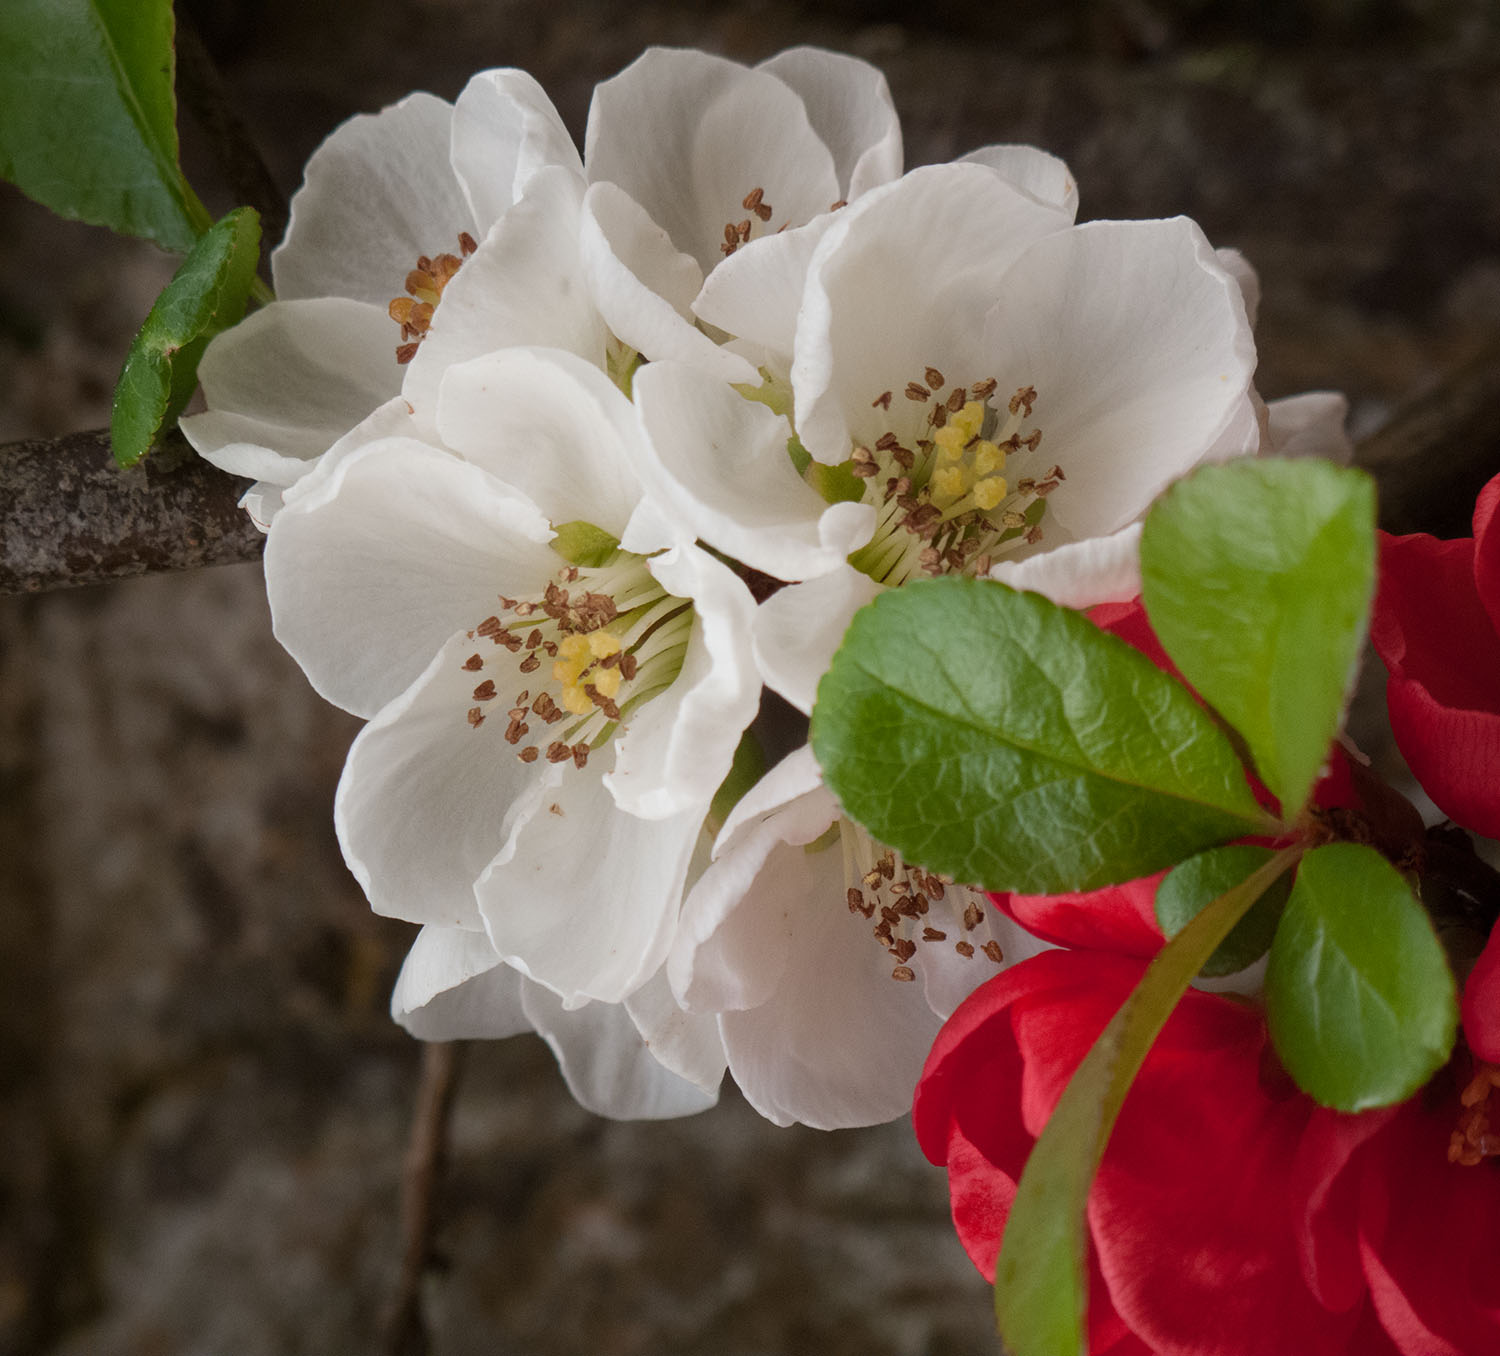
(203, 1105)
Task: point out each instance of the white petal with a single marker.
(1246, 279)
(504, 130)
(1137, 344)
(686, 1043)
(1310, 425)
(262, 501)
(737, 923)
(902, 281)
(840, 1043)
(452, 987)
(850, 107)
(582, 897)
(377, 194)
(1038, 172)
(606, 1063)
(722, 462)
(382, 554)
(421, 806)
(677, 748)
(550, 424)
(643, 287)
(523, 285)
(798, 629)
(948, 978)
(1081, 574)
(755, 294)
(688, 136)
(288, 382)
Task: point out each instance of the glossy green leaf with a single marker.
(1359, 996)
(1041, 1276)
(88, 115)
(1193, 883)
(1257, 576)
(206, 295)
(1006, 741)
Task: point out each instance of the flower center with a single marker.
(579, 658)
(1478, 1134)
(737, 233)
(910, 906)
(944, 505)
(424, 286)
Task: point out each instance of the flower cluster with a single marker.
(512, 412)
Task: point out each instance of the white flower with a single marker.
(429, 234)
(995, 378)
(642, 1059)
(545, 736)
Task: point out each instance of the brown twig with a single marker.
(405, 1329)
(70, 516)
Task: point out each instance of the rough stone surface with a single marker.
(202, 1104)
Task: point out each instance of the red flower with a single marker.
(1231, 1216)
(1437, 627)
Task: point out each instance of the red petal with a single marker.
(1481, 1006)
(1487, 550)
(1119, 918)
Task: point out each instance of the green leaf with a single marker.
(581, 543)
(1191, 884)
(748, 767)
(1359, 996)
(1257, 576)
(88, 116)
(206, 295)
(1009, 742)
(1041, 1277)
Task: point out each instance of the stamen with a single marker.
(424, 285)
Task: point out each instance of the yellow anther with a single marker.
(988, 493)
(970, 419)
(950, 480)
(950, 440)
(603, 644)
(576, 700)
(575, 647)
(607, 682)
(987, 458)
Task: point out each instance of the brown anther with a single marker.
(882, 932)
(964, 949)
(473, 663)
(485, 692)
(993, 951)
(957, 399)
(939, 416)
(901, 887)
(558, 752)
(530, 664)
(488, 627)
(1032, 440)
(915, 391)
(400, 309)
(467, 244)
(903, 948)
(882, 401)
(904, 973)
(515, 731)
(919, 903)
(872, 878)
(904, 457)
(510, 640)
(518, 713)
(888, 441)
(973, 917)
(752, 199)
(533, 640)
(731, 236)
(933, 885)
(1023, 399)
(931, 560)
(889, 915)
(743, 230)
(476, 717)
(856, 900)
(934, 378)
(983, 390)
(834, 206)
(933, 935)
(627, 667)
(1033, 536)
(1025, 485)
(887, 865)
(580, 755)
(1045, 488)
(1056, 473)
(529, 754)
(405, 353)
(864, 470)
(982, 566)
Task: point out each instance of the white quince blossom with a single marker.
(993, 378)
(549, 715)
(501, 235)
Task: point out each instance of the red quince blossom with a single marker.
(1231, 1215)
